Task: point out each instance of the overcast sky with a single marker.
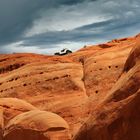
(47, 26)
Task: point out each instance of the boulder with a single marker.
(33, 125)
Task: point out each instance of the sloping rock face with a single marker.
(20, 120)
(1, 124)
(117, 116)
(12, 107)
(76, 87)
(103, 69)
(52, 86)
(32, 125)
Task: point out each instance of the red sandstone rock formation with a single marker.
(11, 107)
(33, 125)
(117, 116)
(1, 124)
(98, 83)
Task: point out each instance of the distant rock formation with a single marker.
(94, 91)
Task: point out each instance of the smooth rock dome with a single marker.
(33, 123)
(13, 107)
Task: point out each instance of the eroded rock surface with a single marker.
(98, 85)
(1, 124)
(11, 107)
(117, 116)
(33, 125)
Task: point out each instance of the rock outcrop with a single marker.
(20, 120)
(117, 116)
(1, 124)
(12, 107)
(33, 125)
(95, 90)
(57, 87)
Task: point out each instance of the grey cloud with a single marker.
(98, 31)
(124, 22)
(16, 16)
(66, 2)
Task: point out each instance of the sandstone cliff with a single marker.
(94, 93)
(116, 116)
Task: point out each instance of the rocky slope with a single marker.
(116, 117)
(94, 93)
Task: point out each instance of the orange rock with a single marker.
(116, 117)
(1, 124)
(13, 106)
(33, 125)
(75, 86)
(56, 87)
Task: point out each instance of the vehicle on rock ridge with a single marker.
(63, 52)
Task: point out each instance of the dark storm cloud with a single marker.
(16, 16)
(124, 22)
(88, 33)
(69, 2)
